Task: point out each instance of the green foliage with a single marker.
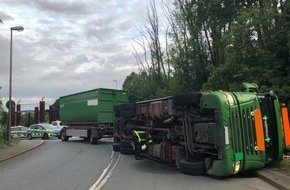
(3, 124)
(258, 50)
(143, 86)
(4, 119)
(27, 119)
(220, 44)
(137, 86)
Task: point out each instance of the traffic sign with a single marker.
(8, 104)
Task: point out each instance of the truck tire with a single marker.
(129, 106)
(127, 151)
(63, 136)
(126, 143)
(116, 147)
(186, 99)
(192, 168)
(127, 113)
(93, 140)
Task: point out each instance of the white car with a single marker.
(58, 124)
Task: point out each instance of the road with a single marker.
(81, 166)
(131, 174)
(56, 165)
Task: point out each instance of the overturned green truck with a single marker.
(216, 133)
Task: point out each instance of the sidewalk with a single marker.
(272, 176)
(18, 148)
(275, 178)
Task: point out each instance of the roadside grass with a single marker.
(4, 144)
(283, 166)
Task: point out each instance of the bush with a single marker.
(3, 133)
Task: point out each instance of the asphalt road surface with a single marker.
(81, 166)
(131, 174)
(56, 165)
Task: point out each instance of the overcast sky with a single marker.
(67, 46)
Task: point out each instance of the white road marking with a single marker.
(105, 175)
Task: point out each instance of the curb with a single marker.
(274, 178)
(23, 151)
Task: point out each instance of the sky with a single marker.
(67, 46)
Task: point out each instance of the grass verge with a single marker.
(283, 166)
(4, 144)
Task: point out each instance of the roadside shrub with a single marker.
(3, 133)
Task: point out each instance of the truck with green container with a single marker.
(89, 114)
(217, 133)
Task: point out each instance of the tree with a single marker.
(137, 86)
(2, 114)
(154, 68)
(220, 44)
(257, 49)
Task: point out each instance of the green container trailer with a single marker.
(90, 114)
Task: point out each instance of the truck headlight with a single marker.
(237, 167)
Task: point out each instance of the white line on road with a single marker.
(105, 176)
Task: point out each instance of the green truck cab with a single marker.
(89, 114)
(216, 133)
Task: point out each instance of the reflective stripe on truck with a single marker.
(259, 131)
(286, 126)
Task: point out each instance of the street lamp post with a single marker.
(116, 83)
(19, 29)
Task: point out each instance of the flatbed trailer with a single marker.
(90, 115)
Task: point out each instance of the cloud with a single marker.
(67, 46)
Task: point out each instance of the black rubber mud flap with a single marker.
(186, 99)
(116, 147)
(192, 168)
(127, 151)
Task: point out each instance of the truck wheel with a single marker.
(186, 99)
(93, 140)
(126, 143)
(116, 140)
(116, 146)
(127, 151)
(192, 168)
(129, 106)
(63, 136)
(127, 113)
